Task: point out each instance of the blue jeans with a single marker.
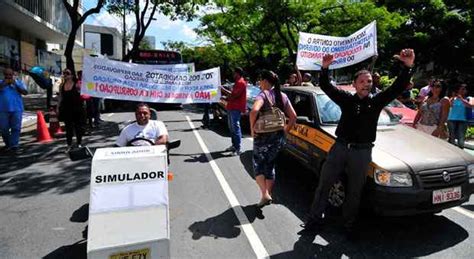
(206, 118)
(10, 127)
(457, 130)
(233, 118)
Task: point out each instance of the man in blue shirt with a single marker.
(11, 109)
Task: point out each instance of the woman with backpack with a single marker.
(271, 103)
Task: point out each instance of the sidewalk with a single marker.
(32, 103)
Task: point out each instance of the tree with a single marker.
(441, 32)
(144, 12)
(264, 34)
(76, 21)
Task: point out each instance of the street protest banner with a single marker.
(186, 67)
(346, 50)
(148, 83)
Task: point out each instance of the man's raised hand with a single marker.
(407, 56)
(327, 60)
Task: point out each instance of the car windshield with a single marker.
(330, 113)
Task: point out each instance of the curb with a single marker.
(28, 119)
(469, 145)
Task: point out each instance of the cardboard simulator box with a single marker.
(128, 209)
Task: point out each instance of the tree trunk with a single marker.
(70, 47)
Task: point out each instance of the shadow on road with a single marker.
(30, 172)
(80, 215)
(380, 237)
(77, 250)
(224, 225)
(246, 158)
(201, 157)
(468, 207)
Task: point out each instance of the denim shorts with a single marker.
(266, 147)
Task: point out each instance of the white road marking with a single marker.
(464, 212)
(249, 231)
(110, 114)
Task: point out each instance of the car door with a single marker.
(297, 142)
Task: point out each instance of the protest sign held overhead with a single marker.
(148, 83)
(346, 50)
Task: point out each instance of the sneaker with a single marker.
(236, 153)
(68, 148)
(230, 149)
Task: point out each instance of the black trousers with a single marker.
(342, 159)
(74, 126)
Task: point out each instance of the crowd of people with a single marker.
(80, 113)
(352, 150)
(442, 109)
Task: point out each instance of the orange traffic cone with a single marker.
(41, 129)
(54, 127)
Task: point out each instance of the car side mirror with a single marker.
(303, 120)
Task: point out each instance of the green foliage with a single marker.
(470, 133)
(144, 12)
(386, 81)
(264, 34)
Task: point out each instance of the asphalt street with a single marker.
(44, 205)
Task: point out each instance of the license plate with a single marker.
(446, 195)
(135, 254)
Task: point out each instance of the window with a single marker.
(302, 105)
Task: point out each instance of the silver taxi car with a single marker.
(411, 172)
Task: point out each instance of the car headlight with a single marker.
(393, 179)
(470, 171)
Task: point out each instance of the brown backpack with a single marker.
(269, 120)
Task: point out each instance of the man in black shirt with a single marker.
(355, 133)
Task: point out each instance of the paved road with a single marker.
(44, 203)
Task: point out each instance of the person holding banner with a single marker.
(356, 132)
(236, 105)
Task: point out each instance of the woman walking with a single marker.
(267, 145)
(71, 108)
(457, 119)
(433, 112)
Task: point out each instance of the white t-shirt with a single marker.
(152, 131)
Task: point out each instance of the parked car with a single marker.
(220, 111)
(410, 173)
(406, 115)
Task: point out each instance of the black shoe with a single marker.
(352, 234)
(312, 225)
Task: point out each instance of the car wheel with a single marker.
(337, 194)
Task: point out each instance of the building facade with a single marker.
(28, 28)
(102, 40)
